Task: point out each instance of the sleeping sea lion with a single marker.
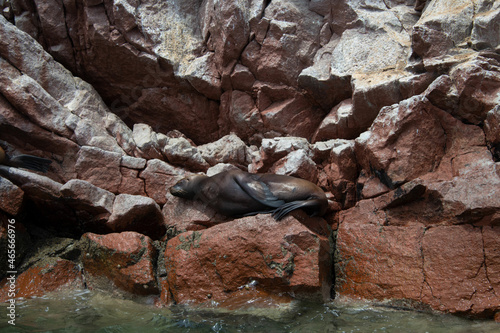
(237, 193)
(25, 161)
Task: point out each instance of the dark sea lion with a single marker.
(237, 193)
(25, 161)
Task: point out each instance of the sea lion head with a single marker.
(2, 155)
(188, 187)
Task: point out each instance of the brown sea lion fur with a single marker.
(237, 193)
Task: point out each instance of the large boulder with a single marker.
(285, 257)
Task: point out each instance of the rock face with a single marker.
(390, 106)
(215, 263)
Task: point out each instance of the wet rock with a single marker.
(120, 260)
(99, 167)
(137, 213)
(281, 258)
(11, 197)
(39, 280)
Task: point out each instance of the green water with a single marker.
(88, 311)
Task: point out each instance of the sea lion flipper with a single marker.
(281, 211)
(259, 191)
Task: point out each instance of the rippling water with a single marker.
(88, 311)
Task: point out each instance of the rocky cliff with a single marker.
(390, 106)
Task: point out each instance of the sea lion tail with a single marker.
(30, 162)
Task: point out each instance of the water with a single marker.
(87, 311)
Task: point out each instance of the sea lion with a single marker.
(237, 193)
(25, 161)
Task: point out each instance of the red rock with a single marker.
(159, 176)
(39, 280)
(477, 83)
(240, 115)
(242, 78)
(281, 257)
(123, 260)
(455, 272)
(294, 117)
(182, 215)
(405, 141)
(361, 270)
(99, 167)
(130, 182)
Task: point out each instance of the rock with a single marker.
(284, 48)
(483, 34)
(327, 88)
(39, 280)
(338, 123)
(99, 167)
(405, 141)
(181, 215)
(179, 151)
(240, 115)
(34, 185)
(131, 183)
(242, 78)
(119, 260)
(297, 163)
(202, 265)
(147, 142)
(11, 197)
(218, 168)
(137, 213)
(292, 117)
(203, 76)
(492, 131)
(477, 85)
(159, 176)
(342, 163)
(85, 194)
(443, 25)
(228, 149)
(428, 259)
(133, 162)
